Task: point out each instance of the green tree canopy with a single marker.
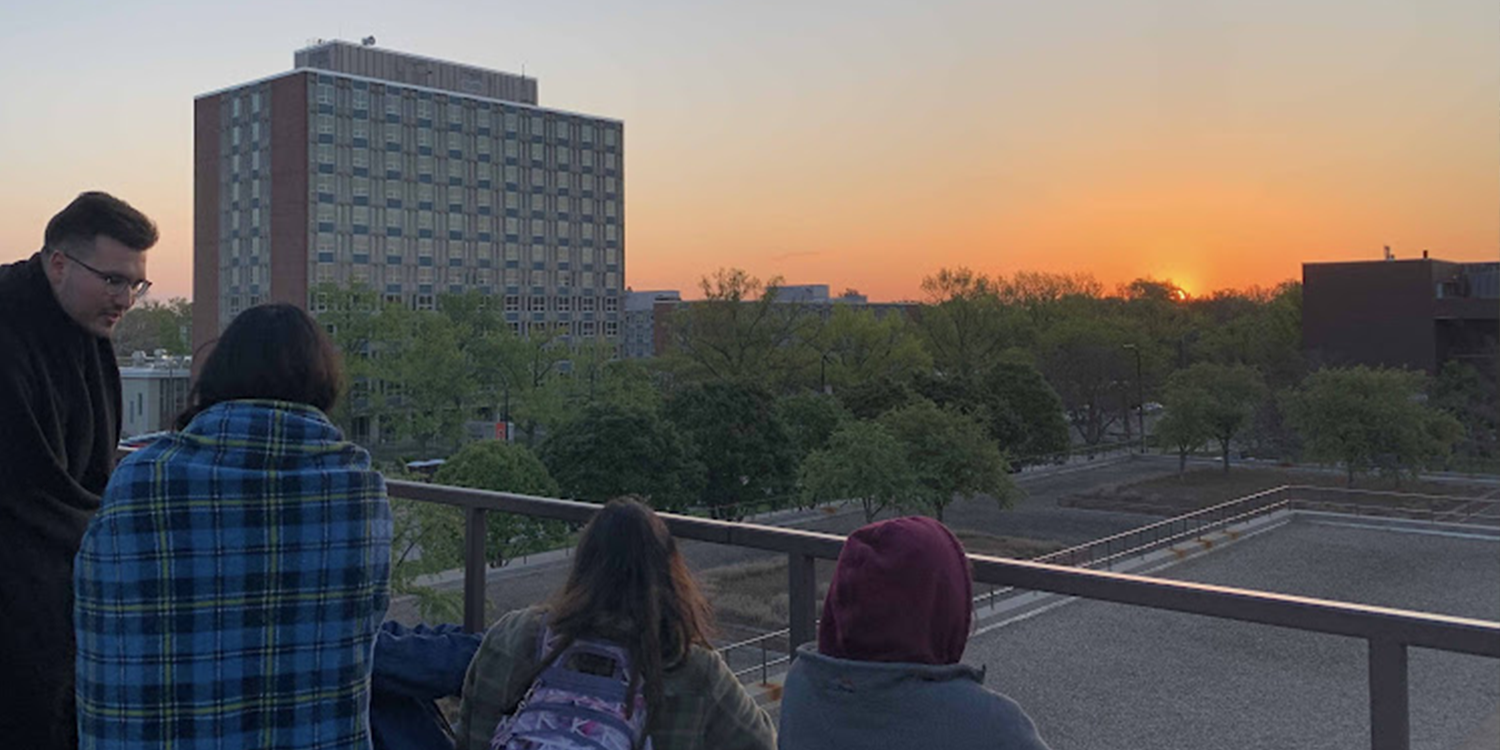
(152, 325)
(950, 454)
(810, 420)
(1184, 424)
(1084, 359)
(862, 462)
(735, 433)
(505, 467)
(964, 325)
(741, 331)
(1371, 419)
(1016, 405)
(1462, 391)
(1220, 398)
(612, 450)
(855, 345)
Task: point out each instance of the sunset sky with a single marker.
(861, 144)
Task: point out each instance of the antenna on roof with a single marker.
(368, 41)
(1388, 254)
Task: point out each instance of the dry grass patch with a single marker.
(754, 595)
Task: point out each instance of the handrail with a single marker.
(1108, 542)
(1389, 632)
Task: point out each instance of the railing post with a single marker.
(1390, 719)
(474, 564)
(802, 588)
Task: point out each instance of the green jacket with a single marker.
(704, 704)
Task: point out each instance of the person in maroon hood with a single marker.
(886, 669)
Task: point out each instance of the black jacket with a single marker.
(59, 425)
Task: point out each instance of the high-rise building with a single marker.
(414, 177)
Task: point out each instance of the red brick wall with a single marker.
(206, 163)
(289, 189)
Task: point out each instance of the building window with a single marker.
(537, 304)
(611, 328)
(611, 304)
(512, 303)
(586, 304)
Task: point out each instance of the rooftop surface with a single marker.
(1100, 675)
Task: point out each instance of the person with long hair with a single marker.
(628, 585)
(230, 589)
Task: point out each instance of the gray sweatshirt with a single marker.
(838, 704)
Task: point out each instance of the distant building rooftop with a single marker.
(370, 61)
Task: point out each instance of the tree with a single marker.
(964, 325)
(1463, 392)
(739, 332)
(1040, 292)
(530, 366)
(734, 431)
(854, 345)
(425, 372)
(950, 455)
(1220, 398)
(153, 325)
(810, 420)
(505, 467)
(1371, 419)
(1184, 424)
(612, 450)
(862, 462)
(872, 398)
(1017, 407)
(1259, 328)
(1084, 359)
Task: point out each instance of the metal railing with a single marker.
(1136, 543)
(1387, 632)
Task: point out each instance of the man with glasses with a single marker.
(59, 424)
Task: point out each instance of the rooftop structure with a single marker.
(1417, 313)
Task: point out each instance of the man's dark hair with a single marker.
(273, 352)
(94, 213)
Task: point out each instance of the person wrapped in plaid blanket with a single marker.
(230, 589)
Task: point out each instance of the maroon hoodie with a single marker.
(901, 593)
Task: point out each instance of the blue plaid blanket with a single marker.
(231, 586)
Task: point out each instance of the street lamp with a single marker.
(1140, 395)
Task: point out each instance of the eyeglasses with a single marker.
(115, 283)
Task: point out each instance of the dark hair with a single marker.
(273, 351)
(94, 213)
(629, 584)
